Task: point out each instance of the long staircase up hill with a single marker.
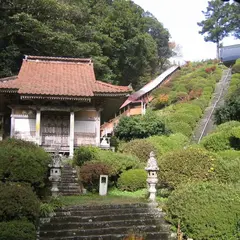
(206, 124)
(106, 222)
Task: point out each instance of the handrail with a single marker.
(214, 106)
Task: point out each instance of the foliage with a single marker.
(22, 161)
(230, 111)
(140, 148)
(218, 141)
(180, 127)
(227, 126)
(206, 210)
(236, 67)
(17, 230)
(127, 44)
(185, 165)
(134, 127)
(164, 144)
(90, 173)
(84, 154)
(18, 202)
(117, 162)
(132, 180)
(228, 167)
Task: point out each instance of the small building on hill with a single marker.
(229, 54)
(137, 102)
(56, 102)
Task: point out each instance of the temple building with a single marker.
(56, 102)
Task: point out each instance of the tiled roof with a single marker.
(53, 76)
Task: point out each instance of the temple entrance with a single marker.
(55, 128)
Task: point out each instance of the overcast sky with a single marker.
(180, 17)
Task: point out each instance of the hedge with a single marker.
(133, 180)
(228, 167)
(22, 161)
(140, 148)
(186, 165)
(17, 230)
(18, 202)
(83, 154)
(206, 210)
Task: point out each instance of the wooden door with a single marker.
(55, 129)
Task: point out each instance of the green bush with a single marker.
(180, 127)
(84, 154)
(185, 165)
(206, 210)
(140, 148)
(134, 127)
(90, 173)
(22, 161)
(164, 144)
(117, 162)
(218, 141)
(227, 126)
(228, 166)
(17, 230)
(18, 202)
(181, 117)
(132, 180)
(236, 68)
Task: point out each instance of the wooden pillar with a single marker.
(38, 126)
(98, 120)
(12, 124)
(71, 144)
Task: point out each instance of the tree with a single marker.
(216, 24)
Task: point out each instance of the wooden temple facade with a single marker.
(55, 102)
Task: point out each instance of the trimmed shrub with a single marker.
(18, 202)
(206, 210)
(180, 127)
(236, 67)
(227, 126)
(90, 173)
(22, 161)
(140, 148)
(17, 230)
(218, 141)
(228, 166)
(181, 117)
(134, 127)
(84, 154)
(133, 180)
(164, 144)
(186, 165)
(117, 162)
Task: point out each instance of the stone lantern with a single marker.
(55, 173)
(152, 169)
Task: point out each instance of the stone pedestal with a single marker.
(55, 173)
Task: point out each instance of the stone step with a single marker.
(110, 206)
(100, 231)
(147, 236)
(69, 187)
(104, 224)
(106, 217)
(70, 193)
(102, 212)
(63, 184)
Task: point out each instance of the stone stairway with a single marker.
(106, 222)
(69, 184)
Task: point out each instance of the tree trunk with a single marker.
(218, 48)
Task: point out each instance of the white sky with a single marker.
(180, 17)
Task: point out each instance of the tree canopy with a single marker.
(221, 20)
(126, 44)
